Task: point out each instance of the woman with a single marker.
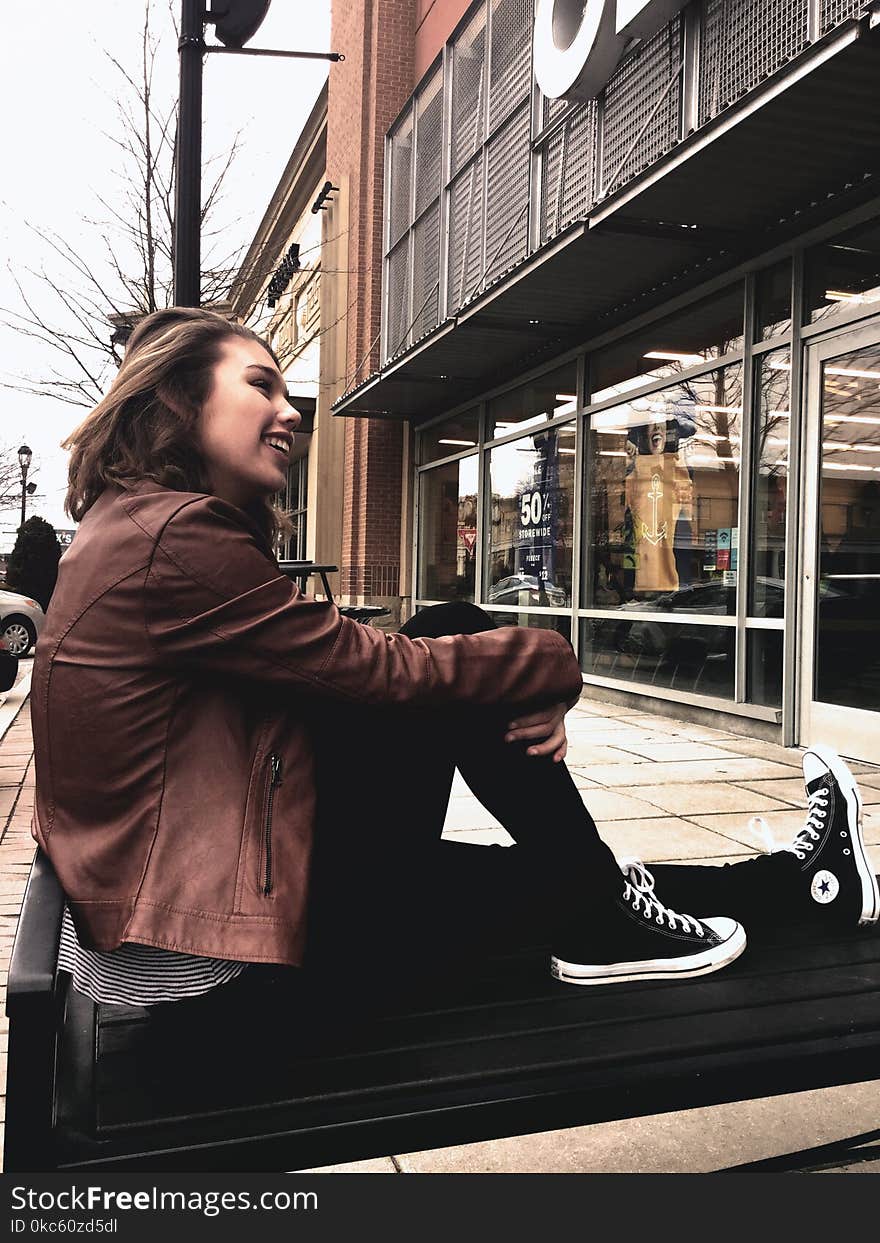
(231, 773)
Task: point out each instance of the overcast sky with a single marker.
(57, 92)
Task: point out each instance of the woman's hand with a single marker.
(548, 725)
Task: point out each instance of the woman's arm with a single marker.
(216, 604)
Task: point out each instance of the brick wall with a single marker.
(366, 93)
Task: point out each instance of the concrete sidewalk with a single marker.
(660, 789)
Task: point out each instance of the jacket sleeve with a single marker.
(215, 603)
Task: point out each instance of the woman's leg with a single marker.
(386, 889)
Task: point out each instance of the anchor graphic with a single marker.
(656, 534)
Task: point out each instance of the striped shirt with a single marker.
(139, 975)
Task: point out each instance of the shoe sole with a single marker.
(849, 787)
(652, 969)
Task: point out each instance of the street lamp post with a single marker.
(25, 456)
(188, 190)
(235, 23)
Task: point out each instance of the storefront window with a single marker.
(294, 500)
(772, 420)
(547, 397)
(844, 274)
(764, 665)
(663, 497)
(773, 290)
(448, 531)
(677, 656)
(530, 520)
(451, 436)
(707, 329)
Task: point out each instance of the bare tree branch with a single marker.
(74, 305)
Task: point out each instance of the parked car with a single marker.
(21, 620)
(507, 591)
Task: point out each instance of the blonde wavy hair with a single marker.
(146, 426)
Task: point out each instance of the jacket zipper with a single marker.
(274, 779)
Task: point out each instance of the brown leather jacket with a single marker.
(170, 701)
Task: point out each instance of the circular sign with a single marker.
(576, 46)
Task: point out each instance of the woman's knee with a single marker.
(439, 620)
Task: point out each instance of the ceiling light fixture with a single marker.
(672, 357)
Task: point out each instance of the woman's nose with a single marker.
(291, 416)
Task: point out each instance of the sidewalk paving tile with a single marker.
(662, 839)
(612, 805)
(715, 797)
(737, 769)
(696, 1141)
(665, 751)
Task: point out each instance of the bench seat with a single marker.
(499, 1049)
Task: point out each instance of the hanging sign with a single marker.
(578, 43)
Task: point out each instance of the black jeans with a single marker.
(383, 884)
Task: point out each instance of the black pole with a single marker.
(23, 492)
(188, 189)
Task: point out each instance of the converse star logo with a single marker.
(825, 887)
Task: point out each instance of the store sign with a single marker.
(578, 43)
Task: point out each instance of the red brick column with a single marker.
(366, 93)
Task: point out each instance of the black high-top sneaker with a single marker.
(642, 939)
(833, 863)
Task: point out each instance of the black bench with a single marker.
(502, 1050)
(301, 571)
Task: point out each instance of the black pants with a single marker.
(383, 882)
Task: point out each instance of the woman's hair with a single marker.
(146, 426)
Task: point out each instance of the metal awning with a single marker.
(761, 171)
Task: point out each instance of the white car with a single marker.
(21, 620)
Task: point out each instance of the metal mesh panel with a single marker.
(744, 41)
(507, 196)
(399, 211)
(510, 65)
(465, 233)
(568, 175)
(836, 11)
(397, 301)
(429, 126)
(639, 118)
(468, 87)
(551, 109)
(426, 273)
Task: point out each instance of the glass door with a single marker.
(840, 681)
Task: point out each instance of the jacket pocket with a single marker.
(273, 779)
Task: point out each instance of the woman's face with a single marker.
(247, 425)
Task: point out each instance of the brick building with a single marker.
(603, 336)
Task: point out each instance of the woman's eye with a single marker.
(263, 384)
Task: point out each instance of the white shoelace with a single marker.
(806, 836)
(639, 889)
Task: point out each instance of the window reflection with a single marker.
(844, 274)
(530, 524)
(698, 659)
(773, 418)
(702, 331)
(664, 487)
(764, 666)
(448, 531)
(449, 437)
(548, 397)
(773, 301)
(847, 660)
